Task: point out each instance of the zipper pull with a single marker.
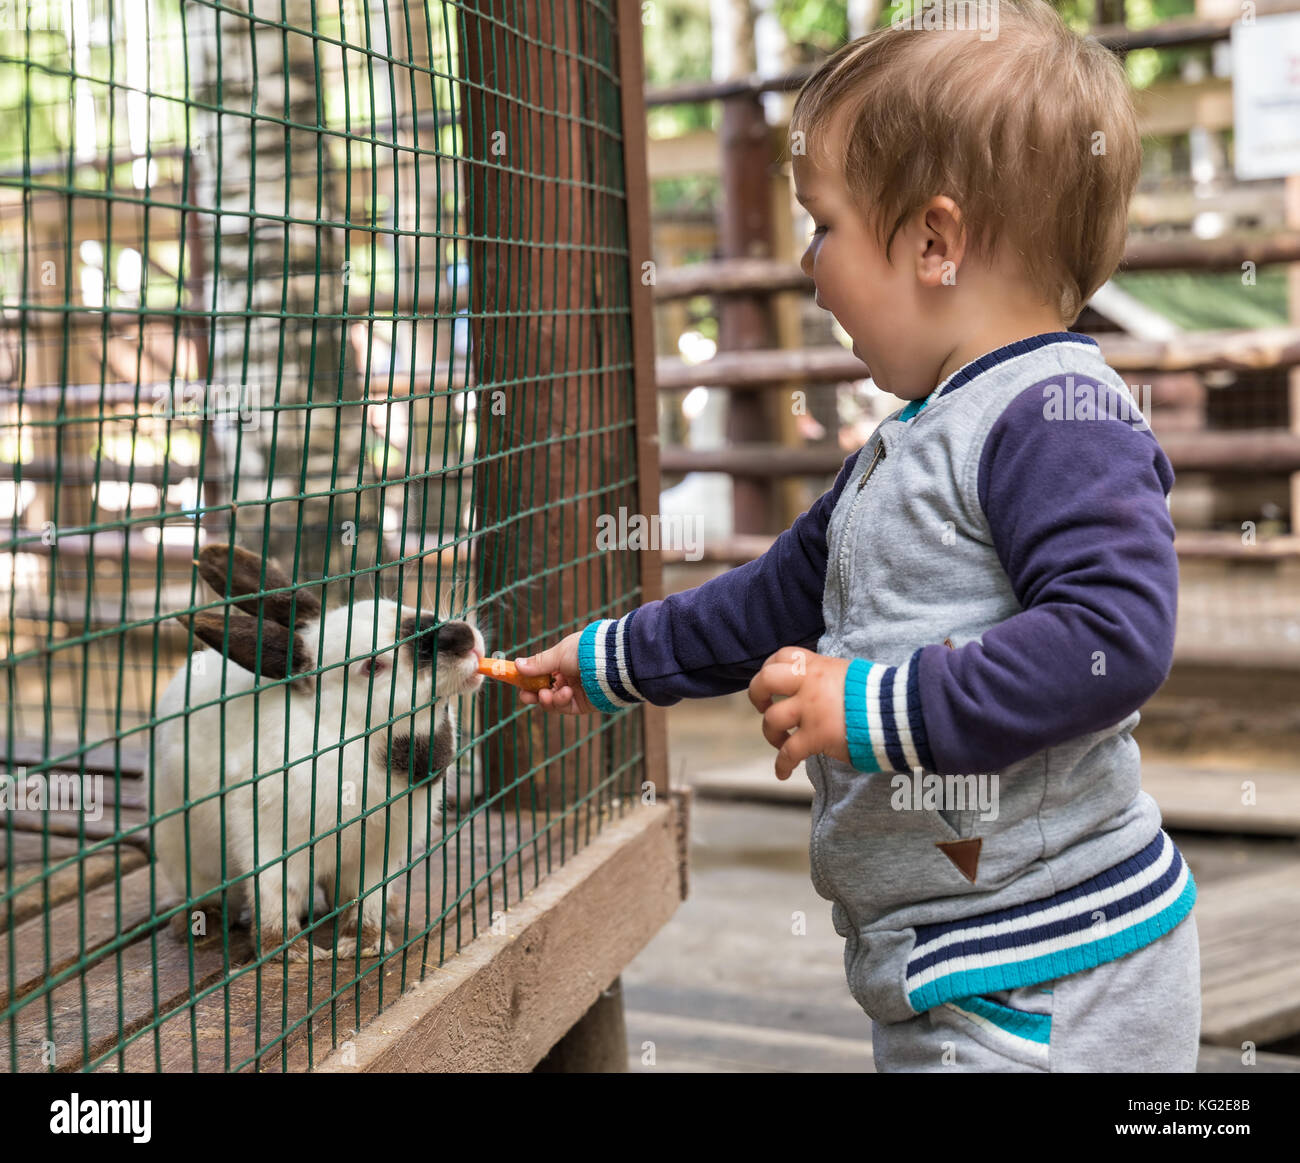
(875, 460)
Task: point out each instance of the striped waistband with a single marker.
(1106, 917)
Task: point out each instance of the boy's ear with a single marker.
(233, 572)
(282, 654)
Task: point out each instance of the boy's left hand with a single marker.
(814, 704)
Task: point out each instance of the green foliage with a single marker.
(815, 28)
(678, 47)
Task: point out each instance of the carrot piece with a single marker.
(506, 671)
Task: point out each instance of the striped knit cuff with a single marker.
(882, 717)
(603, 662)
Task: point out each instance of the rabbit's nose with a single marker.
(455, 638)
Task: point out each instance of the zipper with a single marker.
(876, 458)
(820, 761)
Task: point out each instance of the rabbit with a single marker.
(208, 713)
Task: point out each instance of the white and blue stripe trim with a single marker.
(882, 717)
(602, 660)
(991, 359)
(1106, 917)
(1017, 1031)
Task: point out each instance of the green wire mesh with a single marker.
(344, 284)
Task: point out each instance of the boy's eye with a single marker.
(819, 230)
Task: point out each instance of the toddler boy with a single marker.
(964, 627)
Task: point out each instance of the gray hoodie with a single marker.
(997, 562)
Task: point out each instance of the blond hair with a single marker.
(1032, 133)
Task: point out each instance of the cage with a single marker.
(349, 293)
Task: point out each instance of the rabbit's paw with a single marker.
(346, 947)
(298, 949)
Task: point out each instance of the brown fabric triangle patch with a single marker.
(965, 855)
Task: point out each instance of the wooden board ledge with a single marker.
(504, 1001)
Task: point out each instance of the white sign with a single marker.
(1266, 96)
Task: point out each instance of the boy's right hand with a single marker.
(566, 695)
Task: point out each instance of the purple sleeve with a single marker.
(712, 639)
(1079, 515)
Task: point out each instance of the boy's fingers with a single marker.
(560, 701)
(776, 678)
(779, 718)
(796, 749)
(542, 663)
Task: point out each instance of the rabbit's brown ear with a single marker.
(222, 565)
(282, 655)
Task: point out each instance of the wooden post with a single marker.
(788, 318)
(533, 288)
(597, 1043)
(637, 184)
(545, 287)
(1292, 204)
(745, 322)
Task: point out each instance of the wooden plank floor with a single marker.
(1218, 799)
(1249, 928)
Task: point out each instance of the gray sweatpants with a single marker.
(1140, 1014)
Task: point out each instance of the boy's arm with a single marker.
(712, 639)
(1079, 515)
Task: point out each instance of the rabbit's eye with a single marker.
(376, 665)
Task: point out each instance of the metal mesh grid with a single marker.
(345, 285)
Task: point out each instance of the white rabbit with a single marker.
(318, 756)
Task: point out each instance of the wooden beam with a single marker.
(1189, 545)
(1226, 253)
(776, 460)
(745, 276)
(1248, 350)
(1162, 206)
(768, 366)
(1173, 107)
(736, 276)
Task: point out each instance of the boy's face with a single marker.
(876, 302)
